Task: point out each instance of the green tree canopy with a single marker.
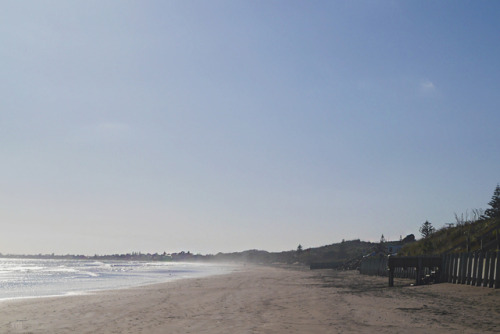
(494, 211)
(426, 229)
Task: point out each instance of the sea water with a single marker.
(26, 278)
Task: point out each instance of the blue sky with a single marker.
(229, 125)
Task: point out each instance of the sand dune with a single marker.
(264, 300)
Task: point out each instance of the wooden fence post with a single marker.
(419, 271)
(444, 264)
(474, 269)
(491, 278)
(450, 268)
(446, 267)
(480, 262)
(455, 269)
(469, 268)
(391, 272)
(486, 269)
(497, 271)
(463, 267)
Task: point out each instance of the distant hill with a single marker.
(338, 253)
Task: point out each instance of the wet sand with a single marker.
(258, 299)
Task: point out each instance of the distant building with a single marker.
(393, 249)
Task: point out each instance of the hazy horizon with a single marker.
(220, 126)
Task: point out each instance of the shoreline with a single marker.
(259, 299)
(53, 278)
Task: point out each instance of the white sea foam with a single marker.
(26, 278)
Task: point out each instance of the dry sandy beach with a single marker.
(264, 300)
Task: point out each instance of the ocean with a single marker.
(28, 278)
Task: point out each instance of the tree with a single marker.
(494, 211)
(381, 246)
(299, 249)
(426, 229)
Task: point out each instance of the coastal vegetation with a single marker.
(475, 231)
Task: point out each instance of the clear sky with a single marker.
(210, 126)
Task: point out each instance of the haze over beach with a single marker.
(220, 126)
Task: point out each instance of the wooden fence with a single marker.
(475, 269)
(374, 265)
(379, 266)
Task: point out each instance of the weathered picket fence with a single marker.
(475, 269)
